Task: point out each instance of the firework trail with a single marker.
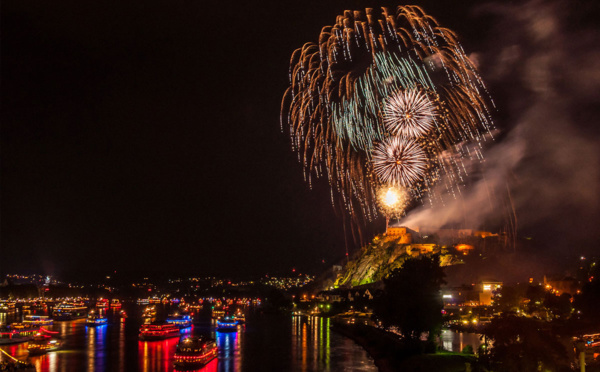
(385, 98)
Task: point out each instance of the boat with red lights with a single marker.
(115, 303)
(158, 331)
(194, 352)
(16, 333)
(41, 344)
(102, 303)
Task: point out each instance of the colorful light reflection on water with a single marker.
(275, 342)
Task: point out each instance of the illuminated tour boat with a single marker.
(218, 314)
(115, 303)
(194, 352)
(41, 344)
(158, 331)
(227, 324)
(181, 321)
(38, 320)
(96, 319)
(17, 333)
(7, 306)
(239, 317)
(69, 311)
(102, 303)
(149, 314)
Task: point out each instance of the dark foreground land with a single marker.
(392, 354)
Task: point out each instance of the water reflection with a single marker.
(269, 341)
(229, 344)
(311, 343)
(456, 341)
(96, 347)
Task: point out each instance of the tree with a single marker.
(535, 294)
(559, 306)
(509, 299)
(524, 344)
(588, 301)
(411, 299)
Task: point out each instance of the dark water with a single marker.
(267, 342)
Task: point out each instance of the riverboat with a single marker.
(227, 324)
(41, 344)
(115, 303)
(181, 321)
(69, 311)
(149, 314)
(158, 331)
(7, 306)
(96, 319)
(218, 314)
(38, 320)
(239, 317)
(102, 303)
(194, 352)
(16, 333)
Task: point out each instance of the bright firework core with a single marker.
(392, 200)
(391, 197)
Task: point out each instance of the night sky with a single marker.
(146, 137)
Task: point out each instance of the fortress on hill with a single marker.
(388, 251)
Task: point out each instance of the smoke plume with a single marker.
(541, 63)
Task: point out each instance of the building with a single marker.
(486, 291)
(401, 233)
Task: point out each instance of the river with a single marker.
(267, 342)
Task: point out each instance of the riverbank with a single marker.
(392, 354)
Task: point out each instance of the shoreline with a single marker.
(391, 354)
(376, 350)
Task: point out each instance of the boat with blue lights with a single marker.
(181, 321)
(194, 352)
(158, 331)
(227, 324)
(96, 319)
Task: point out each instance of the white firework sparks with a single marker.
(399, 161)
(409, 114)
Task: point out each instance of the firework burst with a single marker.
(400, 162)
(350, 94)
(409, 114)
